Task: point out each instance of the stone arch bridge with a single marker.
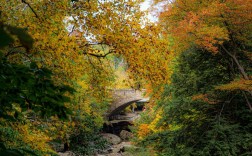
(125, 97)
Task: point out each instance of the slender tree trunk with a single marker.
(243, 73)
(240, 67)
(66, 147)
(247, 100)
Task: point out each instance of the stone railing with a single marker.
(124, 97)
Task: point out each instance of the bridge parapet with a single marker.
(128, 93)
(124, 97)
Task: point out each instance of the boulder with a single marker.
(105, 151)
(67, 153)
(111, 138)
(57, 146)
(125, 135)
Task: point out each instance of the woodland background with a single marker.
(59, 59)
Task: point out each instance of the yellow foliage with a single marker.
(143, 131)
(153, 124)
(122, 80)
(74, 60)
(37, 139)
(82, 84)
(240, 84)
(204, 23)
(204, 97)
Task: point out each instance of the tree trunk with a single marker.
(247, 100)
(242, 72)
(240, 67)
(66, 147)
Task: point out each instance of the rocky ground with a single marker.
(118, 150)
(118, 147)
(119, 143)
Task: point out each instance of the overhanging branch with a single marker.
(23, 1)
(98, 55)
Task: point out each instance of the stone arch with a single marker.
(122, 107)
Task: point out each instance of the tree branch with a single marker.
(23, 1)
(247, 100)
(71, 31)
(98, 55)
(241, 69)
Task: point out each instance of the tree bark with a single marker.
(240, 67)
(247, 100)
(243, 73)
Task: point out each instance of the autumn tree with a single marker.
(27, 94)
(218, 27)
(206, 108)
(69, 39)
(192, 117)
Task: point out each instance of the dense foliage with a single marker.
(206, 109)
(57, 72)
(60, 59)
(196, 118)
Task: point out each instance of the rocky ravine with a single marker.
(119, 144)
(117, 148)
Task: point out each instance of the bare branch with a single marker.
(247, 100)
(23, 1)
(240, 67)
(71, 30)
